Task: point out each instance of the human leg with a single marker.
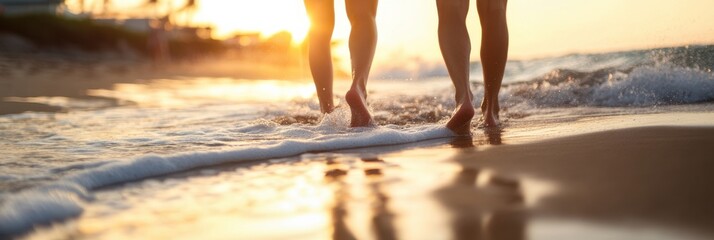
(494, 54)
(456, 49)
(363, 41)
(322, 23)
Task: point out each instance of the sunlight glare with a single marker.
(266, 16)
(173, 93)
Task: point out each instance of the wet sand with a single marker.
(630, 177)
(73, 77)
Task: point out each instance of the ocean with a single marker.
(104, 157)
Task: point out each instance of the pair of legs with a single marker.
(456, 48)
(363, 41)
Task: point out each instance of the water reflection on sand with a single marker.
(411, 191)
(382, 219)
(473, 204)
(483, 205)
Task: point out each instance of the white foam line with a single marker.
(66, 197)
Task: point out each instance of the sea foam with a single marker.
(65, 198)
(643, 86)
(648, 86)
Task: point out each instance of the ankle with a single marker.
(328, 108)
(357, 87)
(464, 98)
(356, 91)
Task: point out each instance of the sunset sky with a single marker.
(538, 28)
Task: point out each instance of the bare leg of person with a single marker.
(456, 48)
(494, 53)
(363, 41)
(322, 23)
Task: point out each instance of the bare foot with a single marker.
(356, 98)
(490, 121)
(490, 113)
(460, 122)
(485, 105)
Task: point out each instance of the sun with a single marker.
(265, 16)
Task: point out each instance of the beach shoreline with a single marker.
(74, 75)
(627, 179)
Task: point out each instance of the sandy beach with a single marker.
(656, 177)
(72, 75)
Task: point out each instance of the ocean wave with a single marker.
(695, 57)
(610, 87)
(636, 87)
(67, 196)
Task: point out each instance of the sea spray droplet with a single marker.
(335, 122)
(651, 86)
